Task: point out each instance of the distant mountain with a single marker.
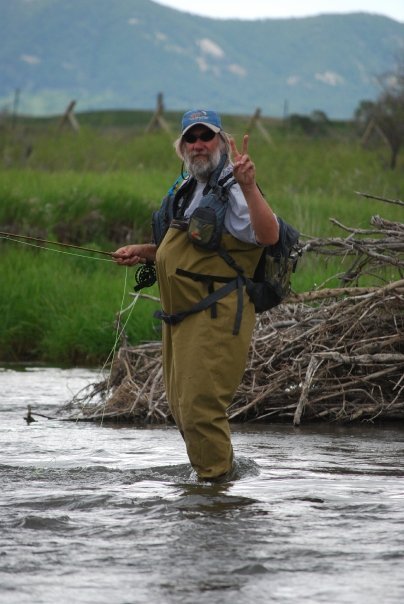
(121, 53)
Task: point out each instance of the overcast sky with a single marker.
(273, 9)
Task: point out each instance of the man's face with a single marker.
(201, 151)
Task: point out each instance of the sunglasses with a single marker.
(205, 136)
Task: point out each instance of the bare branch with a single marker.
(386, 199)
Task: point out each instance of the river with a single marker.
(94, 514)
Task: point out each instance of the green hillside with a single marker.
(121, 54)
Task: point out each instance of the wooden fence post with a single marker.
(158, 120)
(69, 117)
(255, 121)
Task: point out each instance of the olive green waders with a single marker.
(203, 362)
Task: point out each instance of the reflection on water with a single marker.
(96, 514)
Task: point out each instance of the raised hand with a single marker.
(243, 167)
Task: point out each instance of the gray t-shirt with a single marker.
(237, 220)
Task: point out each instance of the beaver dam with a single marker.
(330, 354)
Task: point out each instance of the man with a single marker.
(203, 356)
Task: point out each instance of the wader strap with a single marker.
(213, 308)
(209, 280)
(205, 303)
(230, 261)
(241, 280)
(203, 277)
(239, 310)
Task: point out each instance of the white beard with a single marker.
(202, 165)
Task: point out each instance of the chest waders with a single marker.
(205, 230)
(203, 360)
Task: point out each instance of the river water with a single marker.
(104, 514)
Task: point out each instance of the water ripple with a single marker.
(93, 514)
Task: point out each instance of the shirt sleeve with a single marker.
(237, 219)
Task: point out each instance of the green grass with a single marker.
(80, 206)
(98, 188)
(62, 309)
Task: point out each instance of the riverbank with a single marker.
(333, 354)
(341, 361)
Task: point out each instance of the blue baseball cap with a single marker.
(210, 119)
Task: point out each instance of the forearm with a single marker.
(263, 219)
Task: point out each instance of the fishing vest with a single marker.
(206, 224)
(271, 282)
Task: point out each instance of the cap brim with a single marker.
(210, 126)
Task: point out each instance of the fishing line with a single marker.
(25, 240)
(49, 249)
(118, 332)
(120, 329)
(15, 236)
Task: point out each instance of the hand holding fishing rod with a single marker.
(138, 253)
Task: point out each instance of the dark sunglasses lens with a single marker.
(189, 138)
(207, 136)
(204, 136)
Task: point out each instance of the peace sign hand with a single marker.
(243, 167)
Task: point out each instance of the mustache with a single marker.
(199, 154)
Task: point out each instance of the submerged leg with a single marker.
(203, 368)
(207, 436)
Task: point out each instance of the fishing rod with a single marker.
(38, 240)
(145, 275)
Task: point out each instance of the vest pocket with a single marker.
(203, 229)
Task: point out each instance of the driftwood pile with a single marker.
(329, 354)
